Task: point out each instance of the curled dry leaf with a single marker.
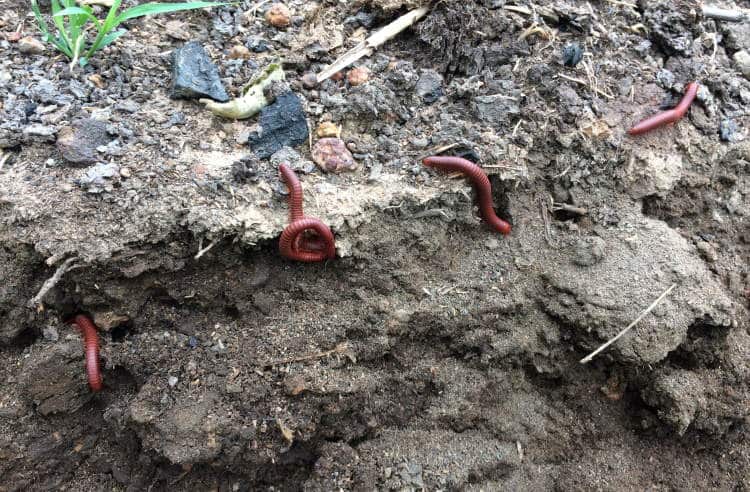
(252, 99)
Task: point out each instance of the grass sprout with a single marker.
(73, 24)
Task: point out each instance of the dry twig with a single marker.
(726, 15)
(368, 46)
(48, 284)
(202, 251)
(627, 328)
(584, 83)
(341, 348)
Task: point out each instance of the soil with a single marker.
(432, 353)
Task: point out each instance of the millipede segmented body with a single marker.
(91, 350)
(670, 116)
(297, 242)
(481, 184)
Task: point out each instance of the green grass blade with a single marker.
(109, 38)
(40, 20)
(80, 16)
(163, 8)
(58, 42)
(105, 28)
(60, 24)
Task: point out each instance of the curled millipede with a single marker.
(295, 242)
(91, 350)
(293, 231)
(670, 116)
(481, 184)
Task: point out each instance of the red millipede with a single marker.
(294, 243)
(670, 116)
(91, 350)
(481, 184)
(295, 192)
(295, 229)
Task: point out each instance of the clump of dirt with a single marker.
(432, 353)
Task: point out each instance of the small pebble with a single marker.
(125, 172)
(358, 76)
(192, 342)
(239, 52)
(278, 15)
(172, 381)
(328, 129)
(30, 46)
(177, 30)
(707, 251)
(50, 333)
(492, 243)
(572, 54)
(331, 155)
(742, 60)
(309, 80)
(728, 130)
(97, 80)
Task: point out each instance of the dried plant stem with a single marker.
(202, 251)
(48, 284)
(368, 46)
(726, 15)
(627, 328)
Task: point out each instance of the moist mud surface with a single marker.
(432, 353)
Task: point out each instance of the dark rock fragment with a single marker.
(257, 44)
(572, 54)
(194, 75)
(728, 131)
(430, 86)
(282, 124)
(245, 170)
(78, 142)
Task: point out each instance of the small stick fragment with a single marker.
(627, 328)
(566, 207)
(367, 47)
(341, 348)
(726, 15)
(202, 251)
(584, 83)
(52, 281)
(517, 9)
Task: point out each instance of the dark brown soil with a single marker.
(432, 353)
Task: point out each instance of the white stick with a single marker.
(723, 14)
(627, 329)
(52, 281)
(366, 47)
(205, 250)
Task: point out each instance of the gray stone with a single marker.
(496, 108)
(30, 46)
(194, 75)
(98, 178)
(37, 130)
(282, 124)
(742, 60)
(291, 157)
(78, 142)
(430, 86)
